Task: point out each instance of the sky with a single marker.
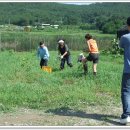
(77, 3)
(70, 1)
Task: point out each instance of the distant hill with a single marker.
(59, 13)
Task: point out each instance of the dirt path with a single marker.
(90, 116)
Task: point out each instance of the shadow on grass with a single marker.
(65, 111)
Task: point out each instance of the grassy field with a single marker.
(24, 84)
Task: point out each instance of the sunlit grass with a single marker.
(24, 84)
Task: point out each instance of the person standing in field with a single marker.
(64, 52)
(93, 54)
(43, 54)
(125, 85)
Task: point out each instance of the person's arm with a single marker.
(64, 53)
(47, 52)
(122, 41)
(66, 50)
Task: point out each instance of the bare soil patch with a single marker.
(90, 116)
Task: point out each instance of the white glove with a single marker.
(62, 57)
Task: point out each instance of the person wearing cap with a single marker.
(125, 84)
(93, 54)
(63, 50)
(43, 54)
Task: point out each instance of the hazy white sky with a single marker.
(78, 3)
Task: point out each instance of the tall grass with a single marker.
(26, 41)
(24, 84)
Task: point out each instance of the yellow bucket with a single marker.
(47, 69)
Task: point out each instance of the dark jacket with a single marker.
(63, 50)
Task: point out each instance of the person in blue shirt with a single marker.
(43, 54)
(125, 85)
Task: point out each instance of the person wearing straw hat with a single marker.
(64, 52)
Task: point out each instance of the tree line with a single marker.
(107, 17)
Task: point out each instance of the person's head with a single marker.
(61, 43)
(88, 36)
(128, 23)
(41, 44)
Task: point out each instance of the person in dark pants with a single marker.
(63, 50)
(43, 54)
(93, 54)
(125, 85)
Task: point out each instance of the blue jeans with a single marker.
(43, 62)
(125, 95)
(68, 60)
